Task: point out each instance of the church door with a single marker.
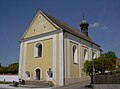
(37, 74)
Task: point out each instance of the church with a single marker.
(51, 50)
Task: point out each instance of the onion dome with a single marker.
(84, 26)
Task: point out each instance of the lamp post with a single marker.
(93, 72)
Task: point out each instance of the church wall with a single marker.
(43, 63)
(40, 25)
(70, 41)
(52, 57)
(74, 72)
(74, 67)
(83, 74)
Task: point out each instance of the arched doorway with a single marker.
(38, 74)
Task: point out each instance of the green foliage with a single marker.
(88, 67)
(11, 69)
(2, 82)
(106, 62)
(3, 70)
(111, 56)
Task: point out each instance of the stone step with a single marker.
(37, 83)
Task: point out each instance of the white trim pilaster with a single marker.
(20, 60)
(80, 60)
(90, 54)
(68, 51)
(24, 60)
(61, 59)
(54, 57)
(65, 55)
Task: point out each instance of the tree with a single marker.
(88, 67)
(3, 70)
(13, 68)
(102, 64)
(111, 56)
(106, 61)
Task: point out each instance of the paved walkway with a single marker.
(6, 86)
(73, 86)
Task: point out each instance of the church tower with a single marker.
(84, 26)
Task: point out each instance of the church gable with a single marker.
(40, 25)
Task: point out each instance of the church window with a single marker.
(85, 54)
(38, 50)
(75, 54)
(28, 73)
(93, 55)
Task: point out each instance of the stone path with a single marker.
(73, 86)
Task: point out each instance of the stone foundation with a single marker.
(69, 81)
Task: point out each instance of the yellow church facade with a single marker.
(51, 50)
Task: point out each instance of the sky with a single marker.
(103, 17)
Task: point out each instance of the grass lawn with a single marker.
(2, 82)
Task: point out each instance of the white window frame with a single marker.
(93, 55)
(85, 54)
(36, 50)
(75, 54)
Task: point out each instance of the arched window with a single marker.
(85, 54)
(38, 50)
(28, 73)
(93, 55)
(75, 54)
